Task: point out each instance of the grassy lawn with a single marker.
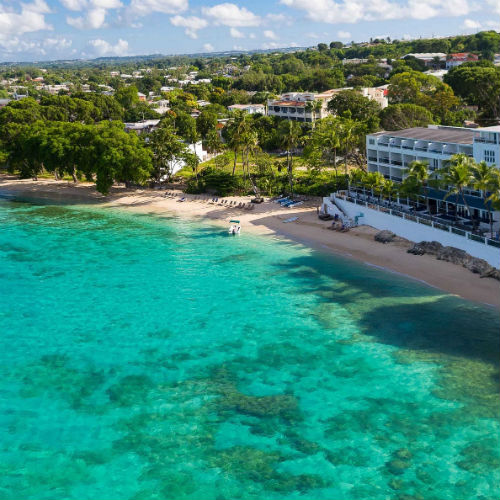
(187, 172)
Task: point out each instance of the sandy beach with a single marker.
(268, 219)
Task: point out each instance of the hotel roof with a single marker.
(453, 135)
(288, 103)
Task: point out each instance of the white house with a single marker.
(454, 60)
(143, 126)
(161, 106)
(299, 106)
(248, 108)
(178, 163)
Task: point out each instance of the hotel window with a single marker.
(489, 156)
(371, 141)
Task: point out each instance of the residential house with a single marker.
(141, 127)
(248, 108)
(430, 59)
(161, 106)
(454, 60)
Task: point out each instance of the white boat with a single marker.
(235, 227)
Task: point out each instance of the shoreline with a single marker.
(267, 219)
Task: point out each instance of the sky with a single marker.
(40, 30)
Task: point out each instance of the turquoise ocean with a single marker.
(146, 357)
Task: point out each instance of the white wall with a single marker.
(416, 232)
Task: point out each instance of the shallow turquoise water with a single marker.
(154, 358)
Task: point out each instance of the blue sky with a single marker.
(59, 29)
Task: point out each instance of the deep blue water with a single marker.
(155, 358)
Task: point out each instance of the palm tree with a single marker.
(313, 107)
(457, 175)
(329, 138)
(389, 189)
(236, 131)
(356, 177)
(494, 197)
(484, 181)
(289, 132)
(347, 136)
(374, 181)
(418, 172)
(249, 143)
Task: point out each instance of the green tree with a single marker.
(290, 133)
(167, 149)
(127, 97)
(213, 142)
(352, 103)
(206, 122)
(120, 157)
(418, 173)
(402, 116)
(478, 85)
(485, 177)
(458, 175)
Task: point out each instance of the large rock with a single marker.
(477, 266)
(430, 247)
(492, 273)
(456, 256)
(385, 236)
(453, 255)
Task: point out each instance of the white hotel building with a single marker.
(298, 105)
(390, 153)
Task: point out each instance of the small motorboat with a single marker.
(235, 227)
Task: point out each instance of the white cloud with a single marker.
(208, 47)
(270, 34)
(272, 45)
(94, 19)
(238, 47)
(30, 18)
(280, 19)
(79, 5)
(312, 35)
(57, 43)
(146, 7)
(344, 34)
(95, 16)
(74, 4)
(192, 24)
(106, 4)
(236, 33)
(103, 48)
(495, 5)
(353, 11)
(16, 45)
(230, 14)
(470, 24)
(252, 36)
(276, 17)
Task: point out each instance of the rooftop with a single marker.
(494, 128)
(245, 106)
(444, 134)
(287, 103)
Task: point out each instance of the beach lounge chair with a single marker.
(280, 200)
